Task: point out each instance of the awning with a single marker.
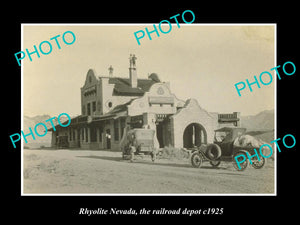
(79, 120)
(74, 120)
(227, 120)
(109, 116)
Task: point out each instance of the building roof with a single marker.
(116, 112)
(76, 120)
(123, 88)
(121, 107)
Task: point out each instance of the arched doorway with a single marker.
(108, 139)
(194, 135)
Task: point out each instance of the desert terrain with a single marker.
(105, 172)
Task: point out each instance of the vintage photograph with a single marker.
(104, 115)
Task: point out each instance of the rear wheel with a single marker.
(123, 152)
(242, 163)
(258, 164)
(132, 151)
(196, 160)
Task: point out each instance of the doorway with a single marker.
(108, 139)
(159, 134)
(194, 135)
(78, 137)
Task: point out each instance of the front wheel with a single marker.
(196, 160)
(215, 163)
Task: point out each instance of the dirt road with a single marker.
(104, 172)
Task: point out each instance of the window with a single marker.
(116, 130)
(94, 106)
(89, 109)
(93, 134)
(74, 135)
(221, 135)
(110, 104)
(82, 133)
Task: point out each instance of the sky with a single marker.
(201, 61)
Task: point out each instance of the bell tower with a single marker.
(132, 71)
(111, 70)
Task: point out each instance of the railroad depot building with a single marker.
(111, 105)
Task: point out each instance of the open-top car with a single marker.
(229, 142)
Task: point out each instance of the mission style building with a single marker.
(110, 106)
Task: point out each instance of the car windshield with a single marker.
(220, 135)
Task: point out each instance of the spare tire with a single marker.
(213, 151)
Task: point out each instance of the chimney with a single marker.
(111, 70)
(132, 71)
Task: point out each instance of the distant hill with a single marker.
(39, 141)
(263, 121)
(32, 121)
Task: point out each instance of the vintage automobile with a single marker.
(229, 142)
(139, 141)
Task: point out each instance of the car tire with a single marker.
(258, 164)
(215, 163)
(196, 160)
(213, 151)
(242, 166)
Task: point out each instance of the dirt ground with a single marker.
(104, 172)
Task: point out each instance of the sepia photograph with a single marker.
(108, 111)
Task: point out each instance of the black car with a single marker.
(226, 148)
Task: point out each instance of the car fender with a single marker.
(242, 150)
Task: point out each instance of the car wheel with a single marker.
(196, 160)
(258, 164)
(242, 166)
(215, 163)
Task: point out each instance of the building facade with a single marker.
(110, 106)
